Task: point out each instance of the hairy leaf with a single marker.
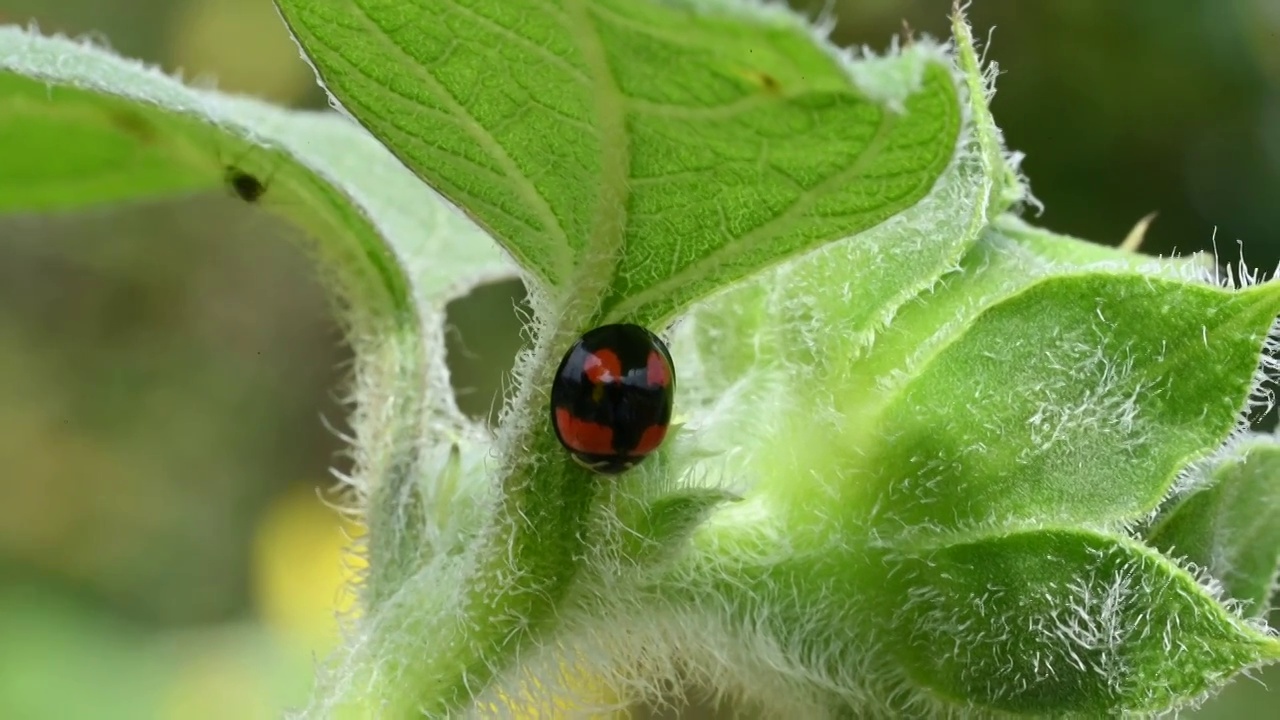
(1058, 621)
(1075, 401)
(1041, 384)
(1231, 527)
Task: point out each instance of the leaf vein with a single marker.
(542, 52)
(767, 231)
(608, 222)
(482, 137)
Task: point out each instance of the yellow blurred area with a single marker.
(300, 584)
(582, 687)
(304, 568)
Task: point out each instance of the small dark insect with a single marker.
(611, 398)
(247, 187)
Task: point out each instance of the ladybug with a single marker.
(611, 397)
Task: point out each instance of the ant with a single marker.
(247, 187)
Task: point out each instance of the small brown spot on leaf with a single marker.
(133, 125)
(766, 82)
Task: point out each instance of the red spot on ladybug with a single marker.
(658, 370)
(584, 437)
(650, 439)
(612, 395)
(602, 366)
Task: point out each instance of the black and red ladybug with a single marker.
(611, 397)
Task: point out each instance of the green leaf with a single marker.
(1042, 384)
(1063, 621)
(1007, 188)
(654, 531)
(1075, 401)
(1065, 250)
(627, 187)
(1231, 526)
(779, 320)
(1009, 394)
(81, 127)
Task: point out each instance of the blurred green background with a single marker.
(164, 551)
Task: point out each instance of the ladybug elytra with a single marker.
(611, 397)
